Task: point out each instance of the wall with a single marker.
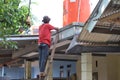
(113, 66)
(108, 68)
(75, 11)
(56, 69)
(14, 72)
(100, 66)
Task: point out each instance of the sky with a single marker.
(51, 8)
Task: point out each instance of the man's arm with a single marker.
(57, 29)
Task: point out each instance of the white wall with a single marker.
(100, 67)
(56, 69)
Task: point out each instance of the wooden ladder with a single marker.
(50, 59)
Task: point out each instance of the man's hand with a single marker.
(57, 29)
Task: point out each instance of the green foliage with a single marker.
(11, 19)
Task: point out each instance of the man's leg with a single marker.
(40, 56)
(45, 51)
(43, 55)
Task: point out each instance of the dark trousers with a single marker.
(43, 55)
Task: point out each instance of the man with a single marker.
(44, 43)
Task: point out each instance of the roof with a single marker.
(103, 26)
(27, 45)
(101, 32)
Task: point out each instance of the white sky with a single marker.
(93, 3)
(51, 8)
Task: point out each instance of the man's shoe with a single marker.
(42, 78)
(42, 75)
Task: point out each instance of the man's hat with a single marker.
(46, 19)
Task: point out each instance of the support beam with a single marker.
(10, 61)
(5, 55)
(27, 69)
(5, 51)
(26, 50)
(106, 31)
(61, 45)
(98, 49)
(57, 56)
(65, 57)
(33, 47)
(78, 68)
(111, 17)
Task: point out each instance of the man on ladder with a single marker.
(44, 43)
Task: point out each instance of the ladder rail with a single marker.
(50, 60)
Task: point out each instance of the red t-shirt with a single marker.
(45, 33)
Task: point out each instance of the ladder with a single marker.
(50, 59)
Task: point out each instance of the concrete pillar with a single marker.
(50, 70)
(78, 68)
(86, 66)
(27, 69)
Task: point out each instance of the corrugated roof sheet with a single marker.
(111, 12)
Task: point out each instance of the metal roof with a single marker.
(103, 26)
(101, 32)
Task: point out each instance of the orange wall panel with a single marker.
(76, 11)
(84, 10)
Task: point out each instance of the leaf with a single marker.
(11, 18)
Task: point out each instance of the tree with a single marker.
(12, 17)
